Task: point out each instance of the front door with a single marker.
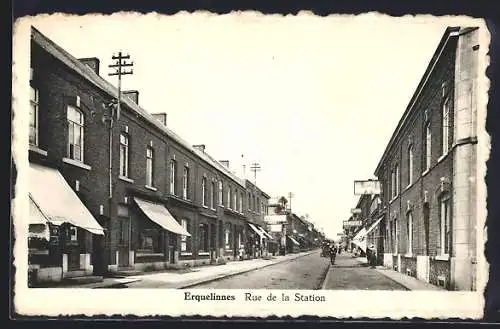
(213, 241)
(172, 242)
(97, 256)
(73, 247)
(123, 258)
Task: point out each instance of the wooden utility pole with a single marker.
(255, 167)
(119, 64)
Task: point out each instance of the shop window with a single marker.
(185, 238)
(409, 230)
(445, 229)
(227, 237)
(203, 237)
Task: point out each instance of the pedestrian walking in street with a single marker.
(333, 253)
(372, 256)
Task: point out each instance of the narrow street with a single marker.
(306, 272)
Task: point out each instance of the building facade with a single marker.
(147, 199)
(428, 171)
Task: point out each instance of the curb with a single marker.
(323, 285)
(224, 276)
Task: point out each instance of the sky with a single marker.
(313, 100)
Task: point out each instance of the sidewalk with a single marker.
(406, 281)
(206, 274)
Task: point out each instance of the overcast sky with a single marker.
(313, 100)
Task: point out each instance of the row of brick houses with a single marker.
(424, 223)
(133, 196)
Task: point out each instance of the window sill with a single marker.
(204, 206)
(151, 188)
(212, 208)
(38, 150)
(77, 163)
(426, 171)
(149, 254)
(186, 253)
(442, 157)
(221, 205)
(126, 179)
(408, 255)
(442, 257)
(203, 253)
(229, 250)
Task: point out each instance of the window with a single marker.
(428, 145)
(73, 233)
(445, 125)
(397, 180)
(173, 175)
(203, 237)
(213, 196)
(409, 230)
(149, 166)
(396, 236)
(123, 231)
(240, 203)
(257, 205)
(75, 133)
(410, 165)
(185, 183)
(184, 238)
(239, 240)
(33, 137)
(235, 196)
(228, 201)
(204, 191)
(227, 236)
(249, 201)
(123, 155)
(221, 193)
(445, 236)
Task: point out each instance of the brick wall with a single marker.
(413, 133)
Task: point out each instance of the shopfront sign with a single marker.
(370, 186)
(352, 223)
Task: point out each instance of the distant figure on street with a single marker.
(333, 253)
(371, 254)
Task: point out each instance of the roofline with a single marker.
(449, 32)
(130, 105)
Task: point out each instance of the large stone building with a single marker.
(429, 171)
(130, 196)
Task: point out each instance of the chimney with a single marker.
(92, 62)
(133, 95)
(162, 117)
(200, 147)
(225, 163)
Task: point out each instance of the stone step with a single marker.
(127, 272)
(83, 279)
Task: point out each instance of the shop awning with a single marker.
(161, 216)
(265, 233)
(38, 224)
(360, 235)
(361, 244)
(374, 225)
(256, 230)
(57, 201)
(293, 240)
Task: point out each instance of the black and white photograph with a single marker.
(247, 163)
